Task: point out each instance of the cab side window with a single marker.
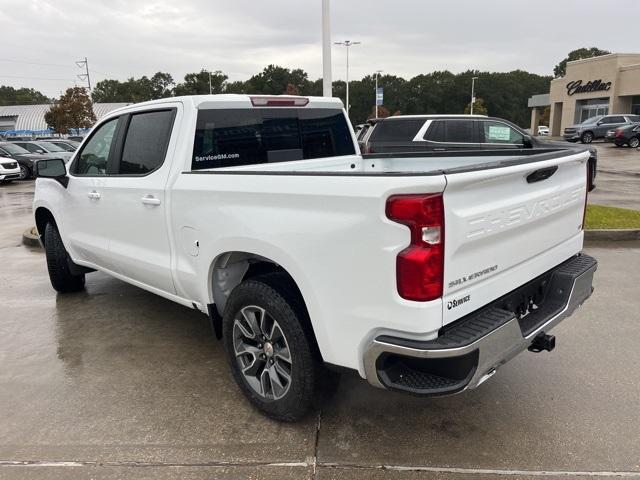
(501, 133)
(146, 142)
(92, 160)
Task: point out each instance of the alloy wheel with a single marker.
(634, 142)
(262, 352)
(24, 172)
(587, 137)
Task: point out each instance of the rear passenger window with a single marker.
(229, 138)
(451, 131)
(146, 142)
(401, 130)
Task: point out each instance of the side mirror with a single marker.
(599, 123)
(527, 141)
(53, 168)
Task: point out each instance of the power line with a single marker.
(35, 63)
(35, 78)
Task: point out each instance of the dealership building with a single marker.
(593, 86)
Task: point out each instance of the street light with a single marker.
(210, 92)
(326, 49)
(473, 93)
(347, 44)
(378, 72)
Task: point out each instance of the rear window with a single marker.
(634, 118)
(403, 130)
(229, 138)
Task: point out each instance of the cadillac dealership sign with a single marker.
(593, 86)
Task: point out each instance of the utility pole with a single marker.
(347, 44)
(378, 72)
(473, 94)
(84, 76)
(210, 82)
(326, 49)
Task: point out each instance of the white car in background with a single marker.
(543, 130)
(9, 170)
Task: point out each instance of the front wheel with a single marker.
(25, 173)
(587, 137)
(271, 350)
(634, 142)
(59, 262)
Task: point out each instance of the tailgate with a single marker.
(505, 226)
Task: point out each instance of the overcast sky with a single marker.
(404, 37)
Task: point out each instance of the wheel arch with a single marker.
(229, 269)
(43, 216)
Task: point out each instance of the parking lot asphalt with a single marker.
(618, 179)
(115, 382)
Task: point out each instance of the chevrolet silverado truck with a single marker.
(423, 272)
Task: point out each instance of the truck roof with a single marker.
(233, 100)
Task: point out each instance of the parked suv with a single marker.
(597, 127)
(9, 170)
(420, 133)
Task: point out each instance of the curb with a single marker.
(30, 239)
(612, 235)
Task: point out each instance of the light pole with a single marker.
(326, 49)
(378, 72)
(210, 82)
(347, 44)
(473, 93)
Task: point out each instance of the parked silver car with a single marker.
(45, 148)
(597, 127)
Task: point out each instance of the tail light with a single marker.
(279, 101)
(619, 133)
(420, 266)
(586, 195)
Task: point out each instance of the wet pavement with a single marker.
(618, 178)
(115, 382)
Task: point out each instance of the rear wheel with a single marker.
(59, 262)
(587, 137)
(271, 350)
(634, 142)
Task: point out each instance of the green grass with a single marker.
(600, 217)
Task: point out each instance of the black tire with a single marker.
(58, 262)
(25, 173)
(587, 137)
(634, 142)
(310, 382)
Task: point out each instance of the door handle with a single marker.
(541, 174)
(93, 195)
(150, 200)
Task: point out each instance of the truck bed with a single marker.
(422, 163)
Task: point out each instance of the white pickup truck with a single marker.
(423, 272)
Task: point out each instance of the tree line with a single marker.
(499, 94)
(504, 94)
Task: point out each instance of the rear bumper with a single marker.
(469, 351)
